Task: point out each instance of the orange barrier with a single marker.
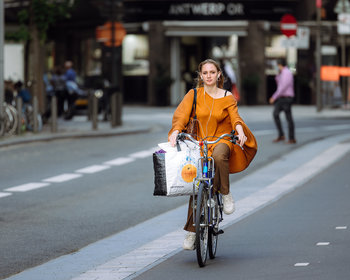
(344, 71)
(332, 73)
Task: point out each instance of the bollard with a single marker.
(94, 112)
(35, 114)
(54, 114)
(19, 104)
(116, 109)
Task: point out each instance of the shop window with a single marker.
(277, 48)
(135, 55)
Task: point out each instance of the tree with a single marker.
(35, 22)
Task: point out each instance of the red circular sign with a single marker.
(288, 25)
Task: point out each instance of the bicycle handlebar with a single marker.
(233, 138)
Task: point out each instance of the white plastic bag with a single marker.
(179, 169)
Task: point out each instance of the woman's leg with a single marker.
(221, 155)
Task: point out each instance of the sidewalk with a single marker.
(140, 119)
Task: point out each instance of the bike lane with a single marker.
(304, 235)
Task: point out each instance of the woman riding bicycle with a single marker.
(217, 113)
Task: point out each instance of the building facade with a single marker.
(166, 40)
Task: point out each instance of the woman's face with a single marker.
(209, 74)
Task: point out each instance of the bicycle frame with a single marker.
(208, 167)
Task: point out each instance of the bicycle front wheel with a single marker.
(202, 225)
(214, 228)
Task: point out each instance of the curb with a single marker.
(17, 140)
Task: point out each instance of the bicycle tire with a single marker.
(2, 126)
(12, 119)
(202, 229)
(214, 228)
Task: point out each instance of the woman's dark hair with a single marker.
(282, 61)
(221, 79)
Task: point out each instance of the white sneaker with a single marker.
(189, 241)
(229, 205)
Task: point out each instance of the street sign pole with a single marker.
(318, 57)
(2, 89)
(343, 60)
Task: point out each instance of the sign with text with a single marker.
(301, 41)
(137, 10)
(344, 23)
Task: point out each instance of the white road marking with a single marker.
(142, 154)
(322, 243)
(302, 264)
(93, 169)
(119, 161)
(2, 194)
(341, 227)
(27, 187)
(62, 178)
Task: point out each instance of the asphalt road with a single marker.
(84, 190)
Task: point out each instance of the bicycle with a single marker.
(207, 203)
(9, 121)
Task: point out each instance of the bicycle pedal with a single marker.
(218, 232)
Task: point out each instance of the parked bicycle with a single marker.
(207, 203)
(9, 121)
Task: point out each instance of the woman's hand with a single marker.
(241, 136)
(241, 139)
(172, 137)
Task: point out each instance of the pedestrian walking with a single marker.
(282, 100)
(71, 89)
(217, 113)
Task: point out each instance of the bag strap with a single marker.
(194, 105)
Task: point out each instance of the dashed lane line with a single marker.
(27, 187)
(93, 169)
(78, 173)
(301, 264)
(144, 154)
(62, 178)
(2, 194)
(322, 243)
(341, 227)
(120, 161)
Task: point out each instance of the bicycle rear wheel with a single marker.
(11, 119)
(214, 228)
(202, 231)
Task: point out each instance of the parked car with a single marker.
(99, 87)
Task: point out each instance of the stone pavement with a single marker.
(140, 119)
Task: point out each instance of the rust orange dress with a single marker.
(216, 117)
